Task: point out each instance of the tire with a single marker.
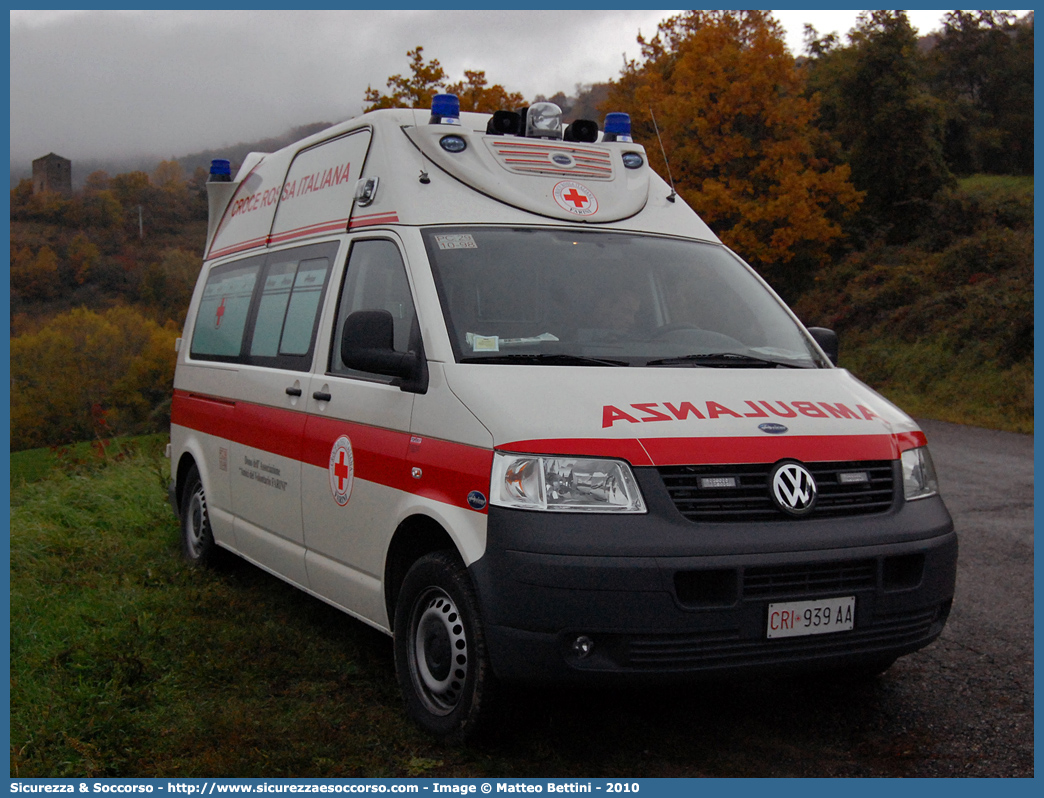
(440, 649)
(197, 538)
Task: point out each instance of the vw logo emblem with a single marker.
(793, 489)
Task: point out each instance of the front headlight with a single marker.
(919, 480)
(564, 484)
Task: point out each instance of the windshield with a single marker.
(566, 297)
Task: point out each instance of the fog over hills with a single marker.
(189, 163)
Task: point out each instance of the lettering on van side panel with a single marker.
(316, 181)
(259, 471)
(641, 412)
(255, 201)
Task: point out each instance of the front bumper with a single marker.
(660, 596)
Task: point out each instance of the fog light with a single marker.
(583, 646)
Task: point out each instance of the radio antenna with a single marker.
(656, 127)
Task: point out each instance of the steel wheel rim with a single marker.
(438, 651)
(195, 523)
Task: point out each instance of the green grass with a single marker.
(31, 465)
(125, 661)
(928, 380)
(998, 184)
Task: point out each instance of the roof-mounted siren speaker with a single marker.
(220, 189)
(445, 110)
(617, 127)
(542, 121)
(581, 130)
(505, 123)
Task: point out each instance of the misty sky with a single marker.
(96, 84)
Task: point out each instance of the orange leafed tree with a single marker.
(429, 78)
(739, 135)
(476, 94)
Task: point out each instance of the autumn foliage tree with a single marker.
(83, 363)
(738, 132)
(476, 94)
(426, 79)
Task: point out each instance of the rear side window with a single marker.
(264, 310)
(223, 310)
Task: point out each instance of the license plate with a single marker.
(819, 617)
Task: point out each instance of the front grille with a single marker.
(782, 581)
(727, 649)
(747, 495)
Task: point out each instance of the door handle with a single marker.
(320, 396)
(291, 391)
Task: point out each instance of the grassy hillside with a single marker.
(944, 326)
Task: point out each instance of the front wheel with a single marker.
(440, 649)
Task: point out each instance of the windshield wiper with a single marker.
(723, 360)
(543, 359)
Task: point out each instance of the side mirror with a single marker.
(367, 344)
(827, 340)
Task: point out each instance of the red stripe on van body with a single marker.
(242, 246)
(270, 429)
(332, 226)
(629, 449)
(391, 217)
(449, 471)
(379, 454)
(720, 451)
(207, 414)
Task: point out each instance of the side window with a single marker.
(264, 310)
(271, 311)
(223, 310)
(375, 279)
(288, 306)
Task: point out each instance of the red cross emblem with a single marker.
(576, 198)
(219, 313)
(342, 470)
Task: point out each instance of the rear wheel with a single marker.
(440, 649)
(197, 538)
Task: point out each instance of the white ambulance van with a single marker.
(490, 386)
